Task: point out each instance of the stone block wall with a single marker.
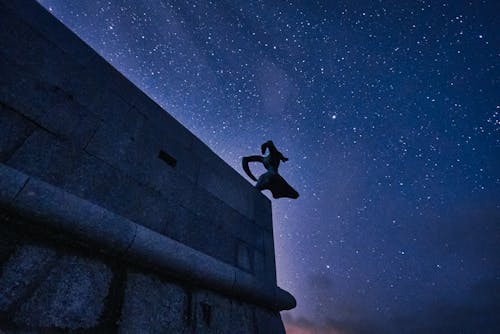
(49, 286)
(112, 183)
(72, 120)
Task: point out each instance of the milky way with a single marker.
(389, 112)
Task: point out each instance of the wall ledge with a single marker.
(77, 219)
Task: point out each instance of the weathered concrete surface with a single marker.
(11, 183)
(50, 288)
(22, 274)
(79, 220)
(217, 314)
(99, 144)
(14, 129)
(71, 296)
(49, 207)
(268, 323)
(102, 141)
(153, 306)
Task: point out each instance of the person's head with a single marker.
(269, 145)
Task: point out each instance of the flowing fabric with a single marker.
(277, 185)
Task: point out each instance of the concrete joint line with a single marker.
(131, 242)
(21, 189)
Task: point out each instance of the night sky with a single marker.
(389, 112)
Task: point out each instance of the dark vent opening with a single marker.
(170, 160)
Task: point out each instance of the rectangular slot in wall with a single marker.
(170, 160)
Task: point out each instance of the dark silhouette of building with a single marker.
(114, 217)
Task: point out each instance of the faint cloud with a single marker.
(476, 313)
(330, 326)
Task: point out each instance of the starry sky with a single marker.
(389, 112)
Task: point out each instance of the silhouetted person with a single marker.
(271, 179)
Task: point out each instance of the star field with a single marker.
(389, 112)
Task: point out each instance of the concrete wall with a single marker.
(69, 119)
(49, 286)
